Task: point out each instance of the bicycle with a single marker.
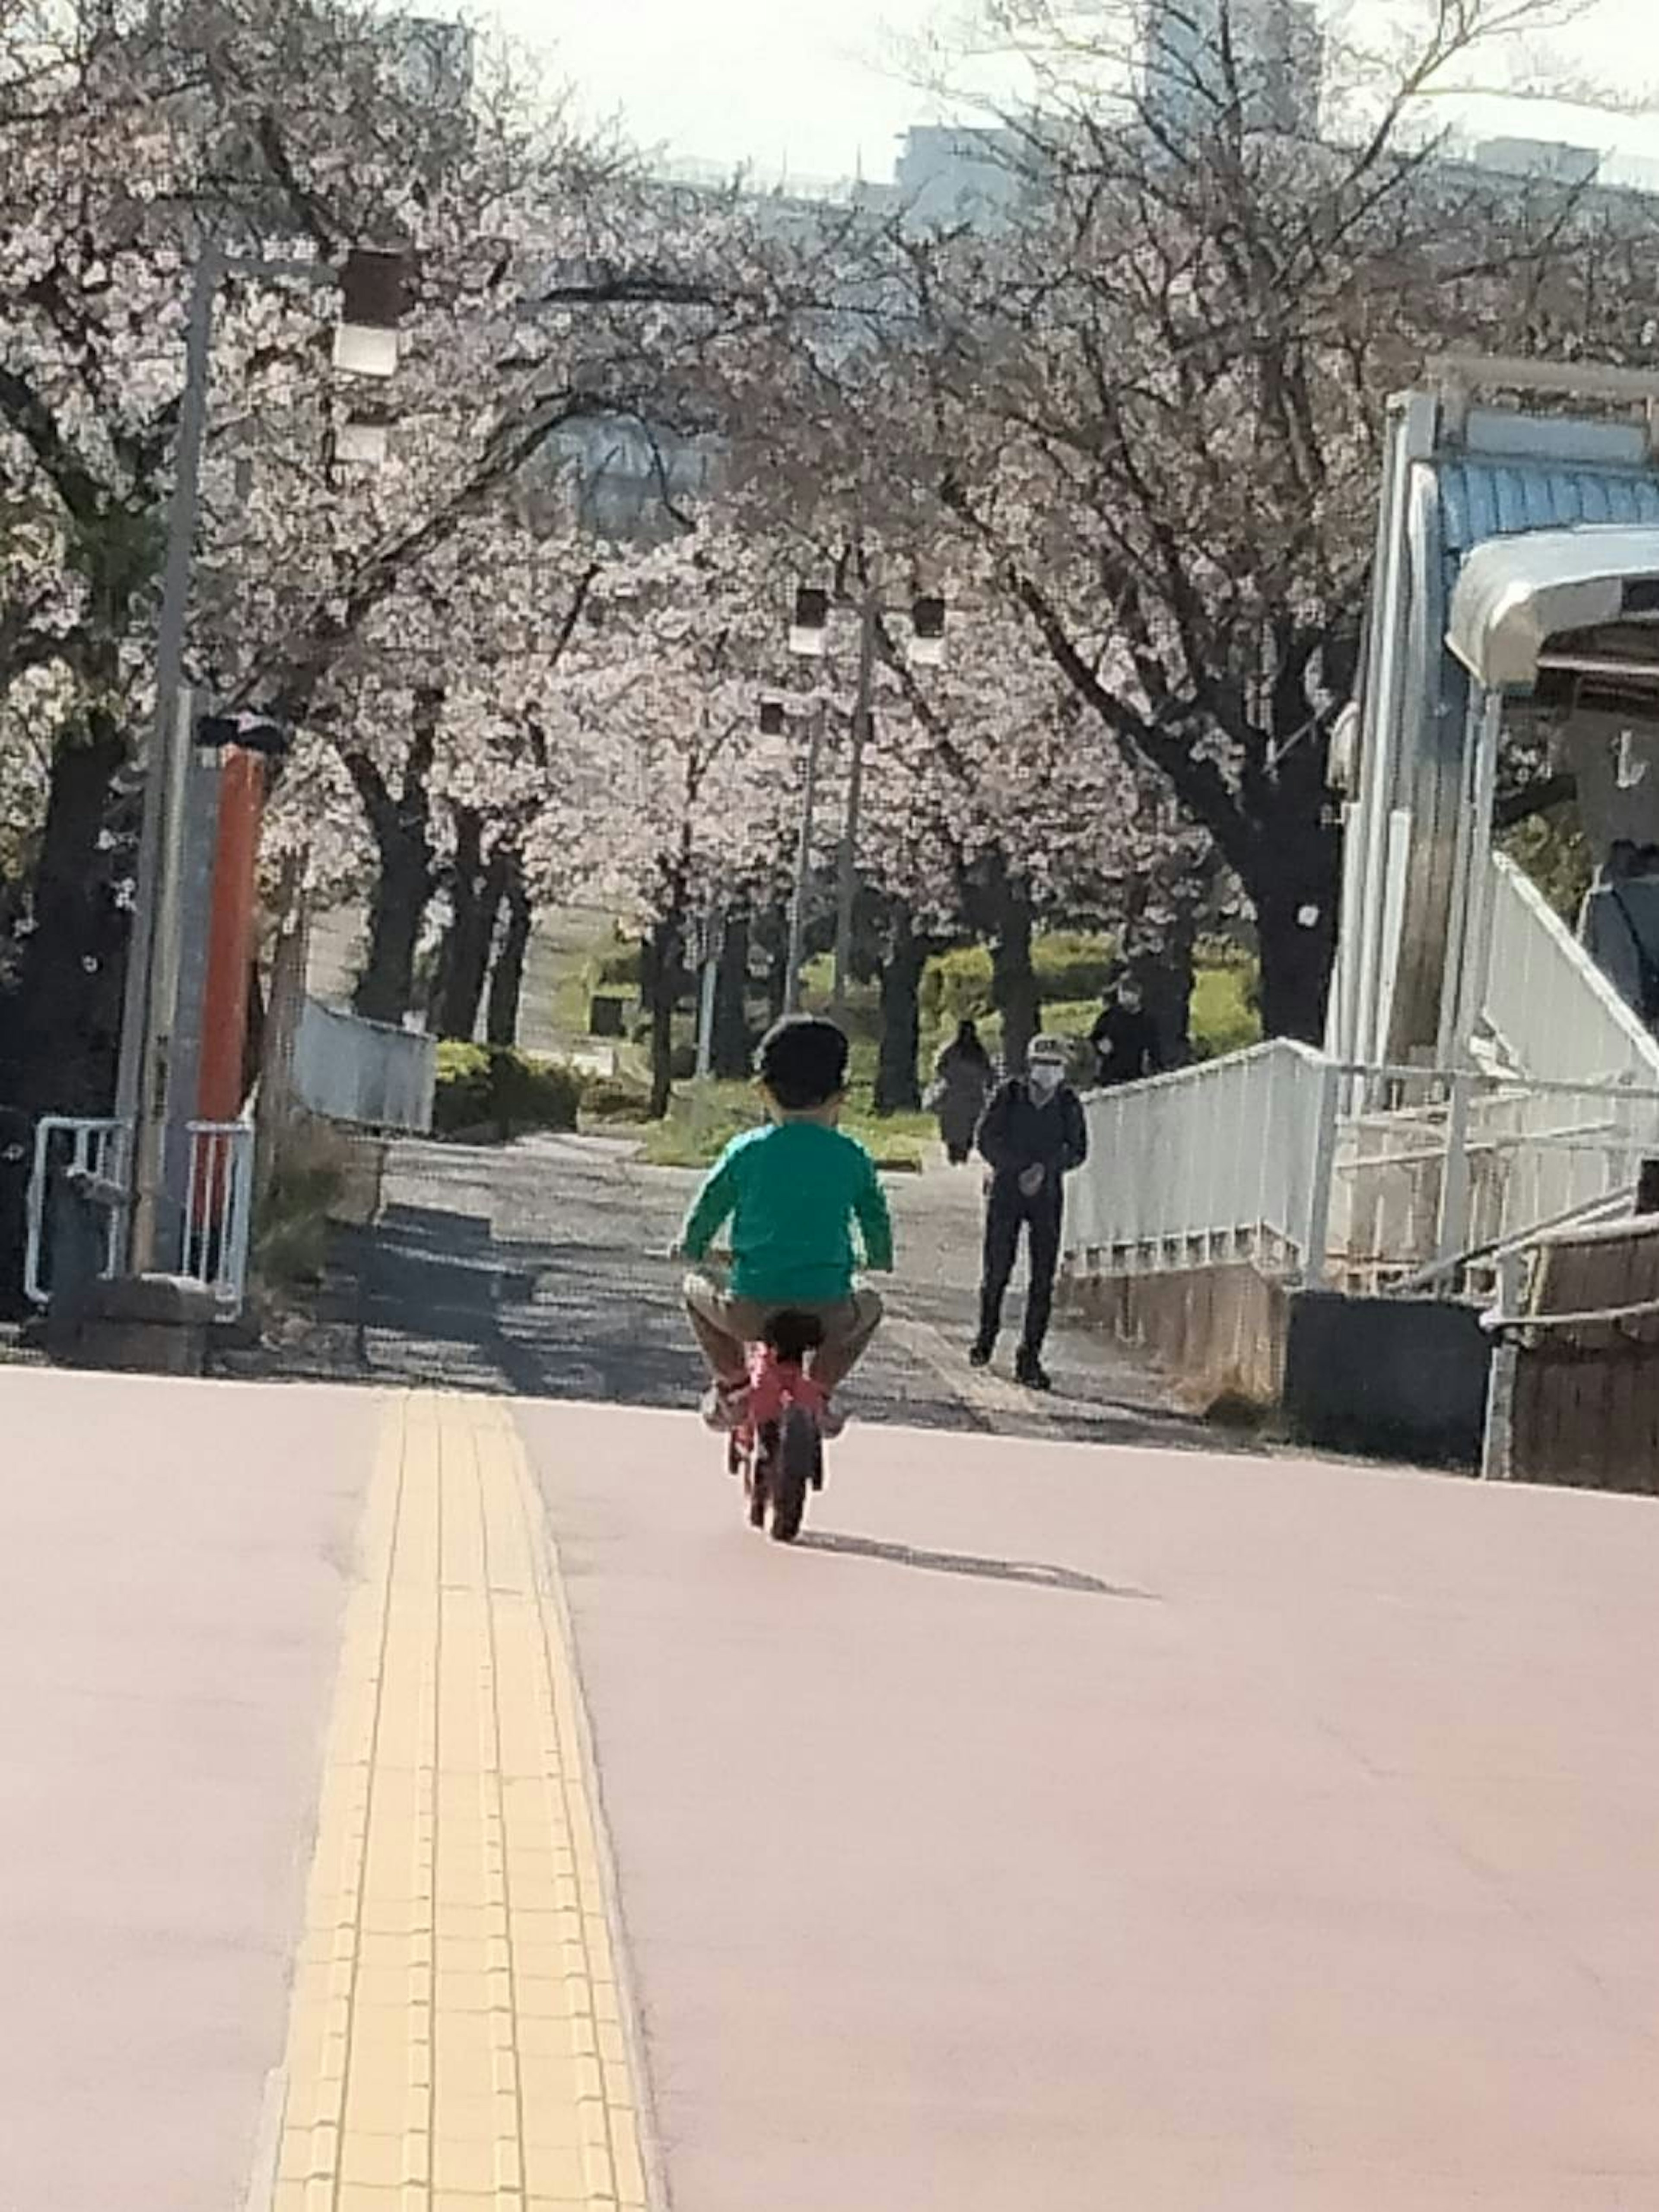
(778, 1449)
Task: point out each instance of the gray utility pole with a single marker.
(713, 939)
(141, 1080)
(147, 1013)
(171, 774)
(804, 864)
(863, 717)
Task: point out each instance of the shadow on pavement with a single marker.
(539, 1270)
(1032, 1575)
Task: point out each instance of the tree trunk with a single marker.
(477, 890)
(660, 976)
(67, 1016)
(1013, 978)
(731, 1045)
(898, 1090)
(1295, 891)
(1166, 979)
(386, 989)
(777, 985)
(507, 978)
(402, 829)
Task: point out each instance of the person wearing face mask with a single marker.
(1032, 1137)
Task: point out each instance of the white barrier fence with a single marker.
(366, 1073)
(1228, 1161)
(77, 1205)
(1253, 1159)
(1557, 1015)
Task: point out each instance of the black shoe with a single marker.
(981, 1354)
(1030, 1371)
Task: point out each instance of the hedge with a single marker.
(1069, 965)
(487, 1087)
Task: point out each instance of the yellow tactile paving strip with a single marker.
(456, 2043)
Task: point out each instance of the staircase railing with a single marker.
(1555, 1014)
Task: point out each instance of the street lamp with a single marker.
(808, 638)
(366, 343)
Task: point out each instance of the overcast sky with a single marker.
(815, 87)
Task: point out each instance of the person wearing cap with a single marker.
(1032, 1137)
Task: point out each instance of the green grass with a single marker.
(1224, 1017)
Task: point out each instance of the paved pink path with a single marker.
(1311, 1864)
(173, 1563)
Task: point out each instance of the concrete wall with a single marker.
(1389, 1377)
(1220, 1330)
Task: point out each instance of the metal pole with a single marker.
(848, 889)
(150, 1132)
(1455, 1184)
(803, 866)
(137, 1022)
(1497, 1453)
(1322, 1177)
(713, 941)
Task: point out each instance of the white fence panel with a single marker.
(1230, 1160)
(1549, 1004)
(77, 1203)
(366, 1073)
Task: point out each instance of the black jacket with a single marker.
(1017, 1133)
(1124, 1039)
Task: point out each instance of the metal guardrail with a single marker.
(1232, 1160)
(1557, 1015)
(87, 1153)
(1253, 1159)
(81, 1175)
(218, 1223)
(366, 1073)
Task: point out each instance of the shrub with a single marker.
(291, 1231)
(618, 968)
(487, 1086)
(615, 1098)
(956, 987)
(1070, 965)
(1225, 1016)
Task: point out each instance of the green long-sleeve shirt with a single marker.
(792, 1193)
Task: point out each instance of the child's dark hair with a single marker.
(803, 1062)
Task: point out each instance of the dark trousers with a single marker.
(1007, 1211)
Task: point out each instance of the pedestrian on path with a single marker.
(1125, 1038)
(1032, 1137)
(962, 1081)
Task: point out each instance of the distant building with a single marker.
(1202, 55)
(434, 59)
(950, 173)
(1540, 157)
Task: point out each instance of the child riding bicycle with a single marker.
(791, 1192)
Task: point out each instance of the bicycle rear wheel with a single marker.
(793, 1467)
(759, 1474)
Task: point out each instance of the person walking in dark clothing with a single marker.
(962, 1081)
(1124, 1039)
(1033, 1136)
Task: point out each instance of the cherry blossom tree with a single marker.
(556, 288)
(1152, 397)
(667, 670)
